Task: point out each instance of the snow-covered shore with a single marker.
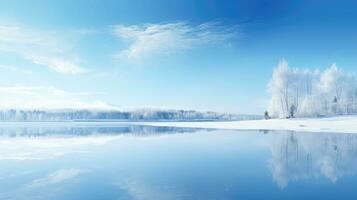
(341, 124)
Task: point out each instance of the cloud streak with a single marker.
(57, 64)
(148, 39)
(32, 97)
(15, 69)
(40, 47)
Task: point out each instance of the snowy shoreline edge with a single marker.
(340, 124)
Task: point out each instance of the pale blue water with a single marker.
(116, 161)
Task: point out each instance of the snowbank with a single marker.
(341, 124)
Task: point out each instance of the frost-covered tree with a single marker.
(311, 93)
(279, 88)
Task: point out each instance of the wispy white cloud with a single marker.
(57, 64)
(31, 97)
(20, 35)
(40, 47)
(15, 69)
(149, 39)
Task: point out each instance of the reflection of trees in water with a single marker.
(71, 131)
(312, 155)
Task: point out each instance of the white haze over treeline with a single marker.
(311, 93)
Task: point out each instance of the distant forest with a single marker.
(138, 115)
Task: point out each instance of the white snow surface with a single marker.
(340, 124)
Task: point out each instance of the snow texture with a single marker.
(338, 124)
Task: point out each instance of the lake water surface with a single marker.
(100, 161)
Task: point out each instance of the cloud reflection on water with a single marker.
(293, 157)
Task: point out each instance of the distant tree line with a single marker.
(138, 115)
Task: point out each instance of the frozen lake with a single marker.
(91, 161)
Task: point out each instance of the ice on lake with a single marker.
(122, 161)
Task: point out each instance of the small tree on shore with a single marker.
(266, 115)
(292, 111)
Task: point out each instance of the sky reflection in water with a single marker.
(136, 162)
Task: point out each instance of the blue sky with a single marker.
(203, 55)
